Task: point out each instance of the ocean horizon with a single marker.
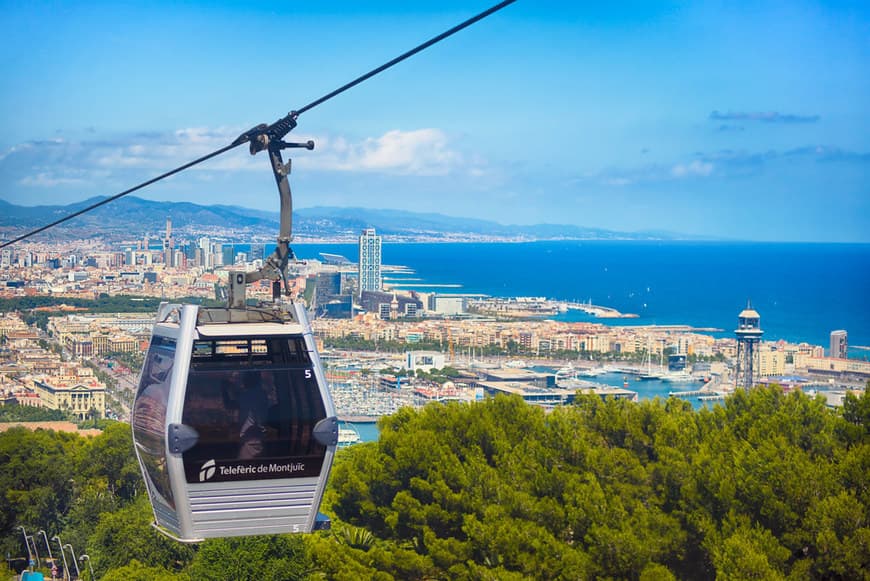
(803, 291)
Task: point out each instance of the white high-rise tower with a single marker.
(839, 344)
(369, 261)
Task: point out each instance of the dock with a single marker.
(597, 310)
(358, 419)
(694, 393)
(701, 394)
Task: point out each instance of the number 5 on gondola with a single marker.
(233, 424)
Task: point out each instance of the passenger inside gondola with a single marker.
(255, 401)
(246, 401)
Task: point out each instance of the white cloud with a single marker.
(652, 173)
(694, 169)
(162, 152)
(423, 152)
(418, 152)
(48, 180)
(15, 149)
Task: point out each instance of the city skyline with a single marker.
(747, 123)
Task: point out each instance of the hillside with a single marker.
(140, 216)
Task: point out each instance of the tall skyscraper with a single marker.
(369, 261)
(229, 254)
(206, 261)
(839, 344)
(748, 337)
(168, 251)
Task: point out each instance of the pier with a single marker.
(694, 393)
(709, 392)
(357, 419)
(703, 395)
(596, 310)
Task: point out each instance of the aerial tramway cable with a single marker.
(120, 195)
(262, 133)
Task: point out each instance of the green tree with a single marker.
(127, 534)
(747, 552)
(19, 413)
(838, 528)
(111, 457)
(36, 469)
(137, 571)
(272, 557)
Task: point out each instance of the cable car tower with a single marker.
(748, 337)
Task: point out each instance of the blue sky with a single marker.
(734, 120)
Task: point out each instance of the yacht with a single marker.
(348, 436)
(678, 377)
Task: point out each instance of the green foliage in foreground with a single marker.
(769, 486)
(22, 413)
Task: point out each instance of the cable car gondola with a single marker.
(233, 423)
(234, 427)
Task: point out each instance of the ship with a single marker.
(348, 436)
(679, 377)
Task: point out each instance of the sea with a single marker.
(368, 431)
(802, 291)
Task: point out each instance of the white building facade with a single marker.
(369, 261)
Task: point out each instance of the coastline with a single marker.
(702, 285)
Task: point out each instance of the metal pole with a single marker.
(75, 562)
(47, 545)
(26, 544)
(90, 567)
(35, 549)
(63, 556)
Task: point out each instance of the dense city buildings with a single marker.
(49, 367)
(391, 305)
(369, 261)
(31, 375)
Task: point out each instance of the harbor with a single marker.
(525, 307)
(365, 388)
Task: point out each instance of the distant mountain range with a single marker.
(136, 216)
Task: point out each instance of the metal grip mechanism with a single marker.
(261, 136)
(271, 138)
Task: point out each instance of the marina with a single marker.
(362, 393)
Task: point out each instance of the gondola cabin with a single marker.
(233, 424)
